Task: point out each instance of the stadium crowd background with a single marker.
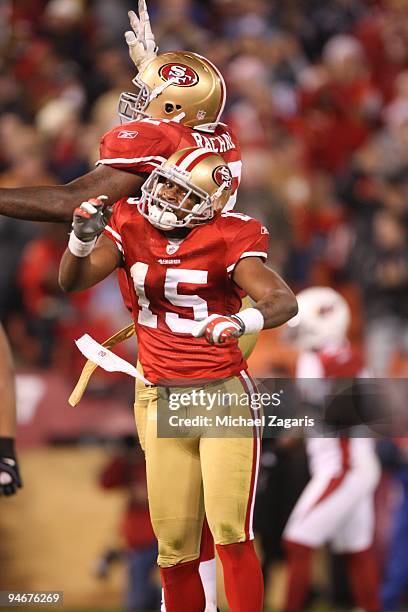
(318, 94)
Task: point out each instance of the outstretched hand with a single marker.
(140, 40)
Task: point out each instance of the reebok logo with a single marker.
(127, 134)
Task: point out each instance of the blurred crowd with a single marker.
(318, 93)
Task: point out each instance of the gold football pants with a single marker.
(187, 474)
(190, 476)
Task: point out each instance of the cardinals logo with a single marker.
(184, 75)
(325, 310)
(222, 175)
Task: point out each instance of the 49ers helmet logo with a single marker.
(222, 175)
(184, 75)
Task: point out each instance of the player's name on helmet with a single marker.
(217, 144)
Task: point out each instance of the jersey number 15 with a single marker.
(173, 278)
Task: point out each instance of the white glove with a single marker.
(140, 40)
(219, 329)
(222, 329)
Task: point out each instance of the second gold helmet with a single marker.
(179, 86)
(200, 173)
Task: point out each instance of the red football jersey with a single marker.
(173, 283)
(141, 146)
(341, 360)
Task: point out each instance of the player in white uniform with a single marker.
(337, 504)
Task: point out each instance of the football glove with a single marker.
(219, 329)
(91, 218)
(10, 479)
(140, 40)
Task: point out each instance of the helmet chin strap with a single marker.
(179, 117)
(160, 88)
(219, 191)
(157, 91)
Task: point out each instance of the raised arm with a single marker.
(140, 39)
(57, 203)
(88, 259)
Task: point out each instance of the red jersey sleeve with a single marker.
(112, 230)
(245, 237)
(139, 146)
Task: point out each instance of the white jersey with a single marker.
(332, 455)
(336, 505)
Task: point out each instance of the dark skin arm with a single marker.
(78, 273)
(57, 203)
(7, 390)
(271, 294)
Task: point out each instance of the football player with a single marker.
(187, 266)
(10, 480)
(178, 101)
(337, 505)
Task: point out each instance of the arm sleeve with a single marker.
(112, 230)
(138, 148)
(245, 237)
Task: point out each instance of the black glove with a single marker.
(91, 218)
(10, 479)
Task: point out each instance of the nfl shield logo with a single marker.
(171, 248)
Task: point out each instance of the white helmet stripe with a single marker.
(184, 164)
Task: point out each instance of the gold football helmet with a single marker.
(203, 182)
(181, 86)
